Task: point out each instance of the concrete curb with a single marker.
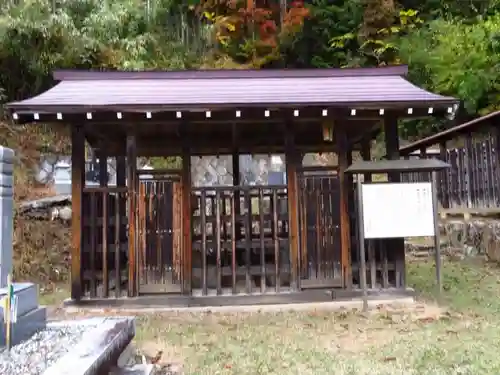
(99, 348)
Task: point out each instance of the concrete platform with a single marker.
(338, 305)
(261, 301)
(98, 350)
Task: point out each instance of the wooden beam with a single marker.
(132, 196)
(345, 225)
(292, 158)
(186, 221)
(251, 115)
(77, 183)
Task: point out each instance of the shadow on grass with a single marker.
(470, 285)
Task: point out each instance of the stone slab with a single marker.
(98, 349)
(25, 326)
(27, 298)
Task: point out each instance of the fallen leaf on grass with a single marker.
(427, 319)
(157, 357)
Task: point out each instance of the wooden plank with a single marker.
(93, 245)
(248, 242)
(117, 248)
(177, 230)
(103, 183)
(77, 182)
(120, 219)
(141, 233)
(304, 263)
(345, 223)
(233, 243)
(132, 207)
(445, 197)
(262, 246)
(497, 163)
(186, 221)
(203, 219)
(470, 171)
(276, 243)
(292, 163)
(218, 242)
(105, 228)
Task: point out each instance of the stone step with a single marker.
(25, 326)
(27, 298)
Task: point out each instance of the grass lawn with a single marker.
(461, 338)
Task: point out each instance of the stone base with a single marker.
(26, 325)
(30, 316)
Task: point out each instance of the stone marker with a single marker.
(30, 317)
(6, 212)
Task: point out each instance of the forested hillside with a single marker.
(452, 46)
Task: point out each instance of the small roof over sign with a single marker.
(400, 165)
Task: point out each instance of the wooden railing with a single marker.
(104, 240)
(240, 239)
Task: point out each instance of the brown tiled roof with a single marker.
(81, 91)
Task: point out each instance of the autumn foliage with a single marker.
(253, 32)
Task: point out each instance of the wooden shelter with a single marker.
(161, 236)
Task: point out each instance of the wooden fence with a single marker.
(473, 181)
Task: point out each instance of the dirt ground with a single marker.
(461, 336)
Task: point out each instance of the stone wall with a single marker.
(463, 238)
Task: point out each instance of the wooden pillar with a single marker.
(395, 247)
(236, 182)
(77, 184)
(104, 214)
(292, 158)
(366, 155)
(345, 222)
(103, 167)
(186, 221)
(132, 198)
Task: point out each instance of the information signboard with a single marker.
(394, 210)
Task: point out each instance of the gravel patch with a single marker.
(42, 350)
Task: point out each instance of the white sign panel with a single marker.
(392, 210)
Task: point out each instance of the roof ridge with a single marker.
(83, 75)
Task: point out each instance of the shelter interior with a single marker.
(157, 233)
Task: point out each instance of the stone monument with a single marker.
(30, 317)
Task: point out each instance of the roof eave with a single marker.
(21, 106)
